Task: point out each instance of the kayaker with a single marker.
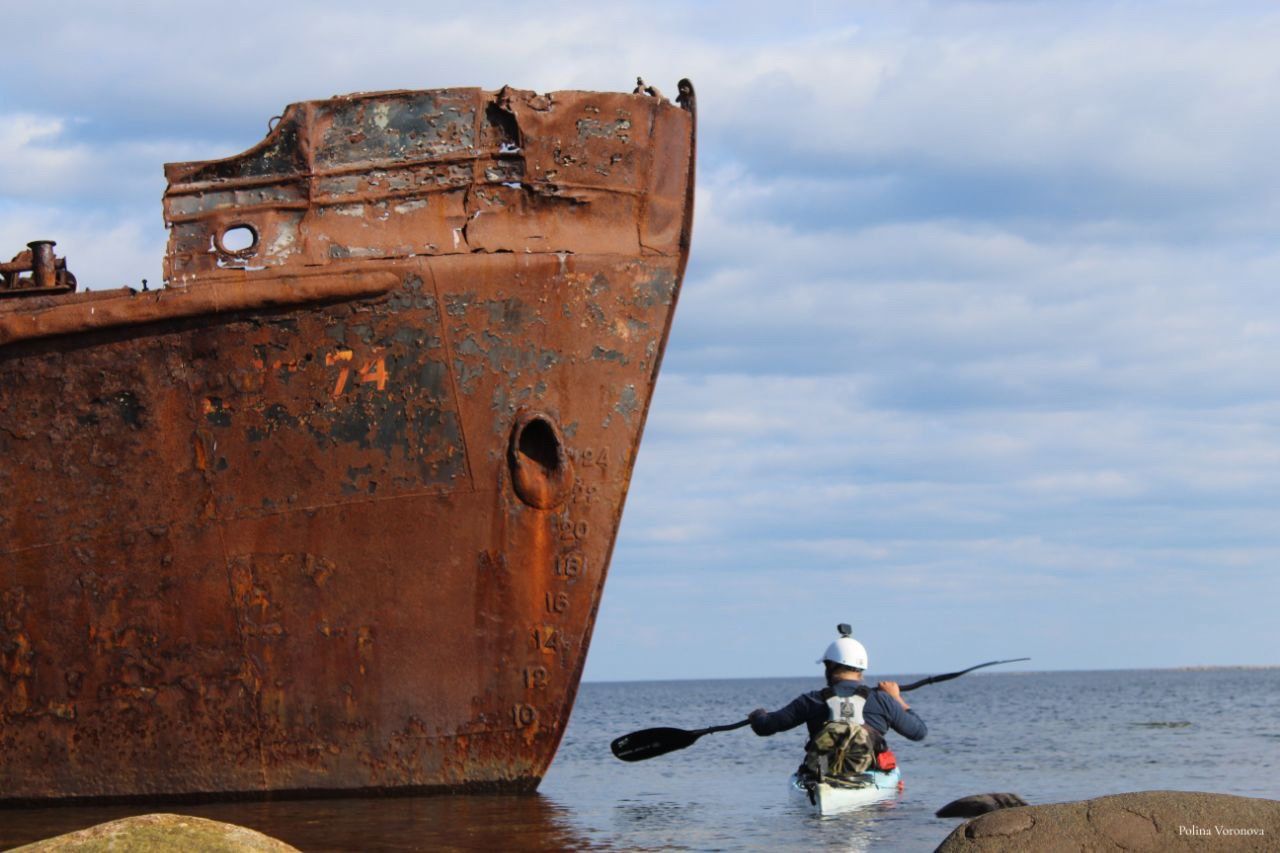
(847, 720)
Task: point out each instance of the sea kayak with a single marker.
(831, 797)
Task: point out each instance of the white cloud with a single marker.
(982, 308)
(32, 160)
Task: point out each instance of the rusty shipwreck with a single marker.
(332, 510)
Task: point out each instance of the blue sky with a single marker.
(978, 346)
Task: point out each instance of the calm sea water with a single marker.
(1047, 736)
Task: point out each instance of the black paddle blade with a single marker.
(650, 743)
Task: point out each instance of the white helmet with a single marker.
(846, 651)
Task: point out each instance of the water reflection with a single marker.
(529, 822)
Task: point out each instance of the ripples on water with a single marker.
(1047, 736)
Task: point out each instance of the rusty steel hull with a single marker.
(333, 511)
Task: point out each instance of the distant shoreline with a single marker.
(1211, 667)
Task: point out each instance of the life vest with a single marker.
(845, 704)
(844, 746)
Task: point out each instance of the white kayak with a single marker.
(828, 799)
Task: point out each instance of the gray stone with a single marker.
(160, 833)
(977, 804)
(1148, 820)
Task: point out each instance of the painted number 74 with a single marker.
(373, 371)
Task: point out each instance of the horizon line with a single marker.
(1182, 668)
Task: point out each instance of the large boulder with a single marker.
(1148, 820)
(157, 833)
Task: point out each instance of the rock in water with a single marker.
(1148, 820)
(160, 833)
(977, 804)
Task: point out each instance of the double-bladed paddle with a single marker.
(650, 743)
(934, 679)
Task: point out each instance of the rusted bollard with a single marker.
(44, 269)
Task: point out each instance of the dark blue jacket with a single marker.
(882, 712)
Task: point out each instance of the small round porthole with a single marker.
(541, 472)
(239, 240)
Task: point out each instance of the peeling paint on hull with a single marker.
(333, 512)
